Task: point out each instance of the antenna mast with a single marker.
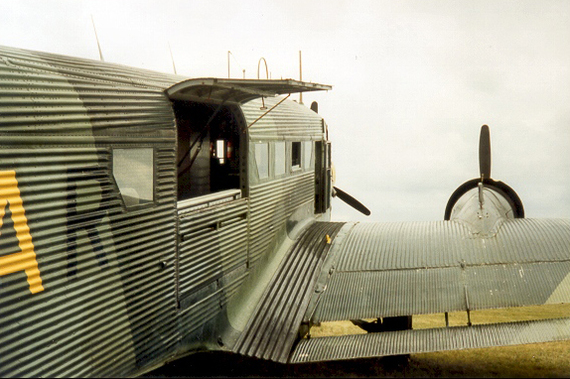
(172, 57)
(97, 38)
(229, 52)
(300, 77)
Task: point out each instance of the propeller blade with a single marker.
(485, 152)
(351, 201)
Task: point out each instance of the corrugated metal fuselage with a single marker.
(104, 271)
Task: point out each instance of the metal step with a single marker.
(429, 340)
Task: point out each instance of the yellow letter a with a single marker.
(25, 260)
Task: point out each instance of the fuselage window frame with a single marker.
(279, 159)
(133, 176)
(296, 156)
(261, 150)
(307, 155)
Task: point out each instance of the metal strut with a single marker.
(270, 109)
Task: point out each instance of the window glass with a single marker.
(296, 154)
(262, 159)
(220, 152)
(279, 158)
(133, 170)
(307, 154)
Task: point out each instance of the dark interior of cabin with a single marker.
(208, 148)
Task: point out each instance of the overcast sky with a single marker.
(413, 81)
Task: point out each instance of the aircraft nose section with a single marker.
(483, 202)
(483, 209)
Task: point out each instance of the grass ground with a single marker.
(545, 360)
(541, 360)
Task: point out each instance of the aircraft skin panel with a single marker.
(370, 294)
(446, 268)
(289, 121)
(271, 205)
(212, 243)
(105, 301)
(203, 307)
(429, 340)
(85, 71)
(108, 304)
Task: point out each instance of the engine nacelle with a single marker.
(482, 203)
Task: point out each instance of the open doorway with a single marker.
(208, 155)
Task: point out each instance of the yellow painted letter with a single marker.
(25, 260)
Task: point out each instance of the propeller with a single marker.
(337, 192)
(499, 188)
(485, 153)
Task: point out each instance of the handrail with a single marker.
(266, 69)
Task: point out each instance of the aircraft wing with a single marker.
(338, 271)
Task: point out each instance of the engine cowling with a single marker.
(482, 203)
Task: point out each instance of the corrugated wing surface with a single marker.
(272, 330)
(399, 269)
(107, 307)
(429, 340)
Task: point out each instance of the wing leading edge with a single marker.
(400, 269)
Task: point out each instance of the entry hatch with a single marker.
(238, 90)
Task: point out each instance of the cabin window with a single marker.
(262, 159)
(133, 170)
(296, 155)
(279, 167)
(307, 154)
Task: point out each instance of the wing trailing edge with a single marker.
(429, 340)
